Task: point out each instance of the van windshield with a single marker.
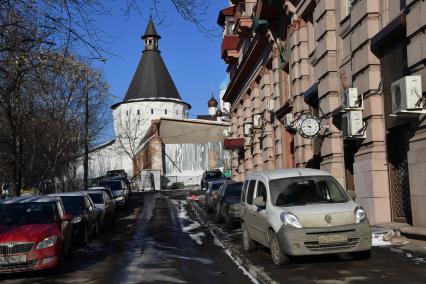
(306, 190)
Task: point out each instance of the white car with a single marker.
(301, 212)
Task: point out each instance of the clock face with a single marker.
(309, 127)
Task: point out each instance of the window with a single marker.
(177, 112)
(261, 190)
(250, 192)
(165, 111)
(152, 111)
(138, 112)
(346, 8)
(298, 191)
(243, 192)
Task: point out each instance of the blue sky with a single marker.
(193, 59)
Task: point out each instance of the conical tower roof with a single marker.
(152, 80)
(150, 30)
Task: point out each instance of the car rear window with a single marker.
(214, 174)
(113, 184)
(234, 189)
(216, 186)
(73, 204)
(298, 191)
(28, 213)
(250, 191)
(97, 198)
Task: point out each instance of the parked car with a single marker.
(228, 203)
(102, 188)
(116, 173)
(302, 212)
(106, 206)
(120, 191)
(212, 188)
(211, 175)
(35, 234)
(85, 216)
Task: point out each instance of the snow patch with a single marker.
(197, 237)
(245, 272)
(192, 226)
(378, 241)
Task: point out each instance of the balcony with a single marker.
(229, 50)
(243, 18)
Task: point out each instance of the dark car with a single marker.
(119, 189)
(35, 233)
(212, 188)
(116, 173)
(102, 188)
(211, 175)
(106, 206)
(85, 216)
(228, 203)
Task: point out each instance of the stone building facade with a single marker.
(304, 55)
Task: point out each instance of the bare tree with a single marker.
(131, 136)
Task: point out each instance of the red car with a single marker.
(35, 233)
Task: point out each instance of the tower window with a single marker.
(165, 111)
(152, 111)
(138, 112)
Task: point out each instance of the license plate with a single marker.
(333, 239)
(13, 259)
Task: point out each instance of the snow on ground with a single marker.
(193, 225)
(377, 240)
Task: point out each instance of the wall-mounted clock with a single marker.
(309, 126)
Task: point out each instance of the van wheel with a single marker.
(277, 255)
(248, 243)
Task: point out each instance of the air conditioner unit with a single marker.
(351, 100)
(248, 141)
(407, 95)
(248, 129)
(289, 121)
(257, 121)
(352, 125)
(227, 132)
(271, 106)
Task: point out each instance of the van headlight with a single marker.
(290, 220)
(360, 215)
(47, 242)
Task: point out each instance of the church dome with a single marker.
(212, 102)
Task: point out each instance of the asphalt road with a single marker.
(155, 240)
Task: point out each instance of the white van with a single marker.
(301, 212)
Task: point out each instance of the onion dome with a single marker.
(212, 102)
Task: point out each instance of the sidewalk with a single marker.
(405, 229)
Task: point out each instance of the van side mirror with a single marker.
(259, 202)
(352, 194)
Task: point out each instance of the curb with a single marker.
(416, 233)
(257, 273)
